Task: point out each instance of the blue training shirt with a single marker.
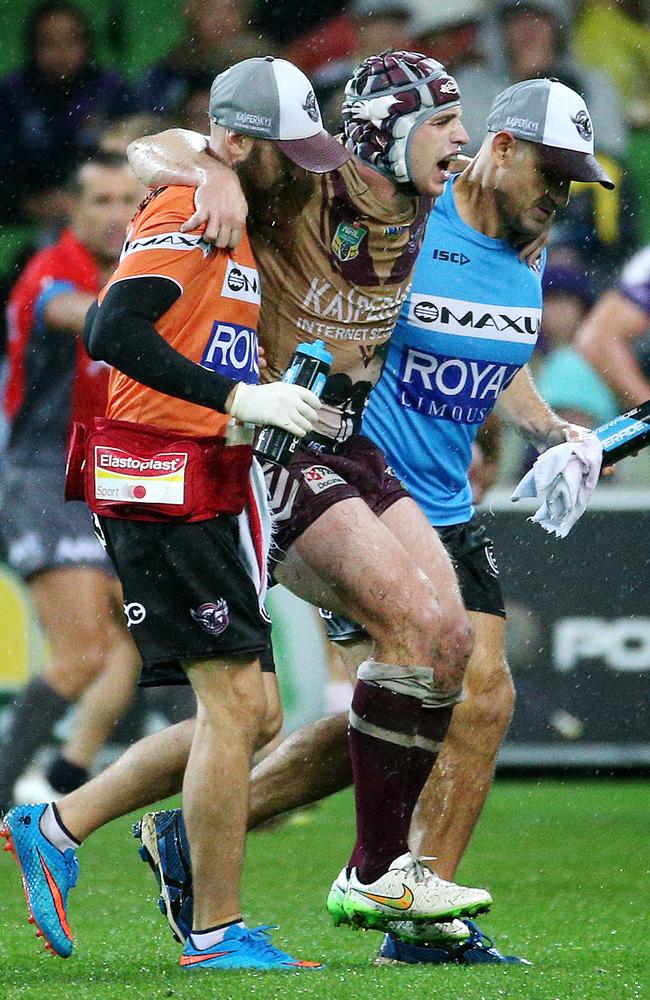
(470, 321)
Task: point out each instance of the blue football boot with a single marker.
(166, 850)
(477, 949)
(243, 948)
(48, 874)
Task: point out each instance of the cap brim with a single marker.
(318, 154)
(576, 166)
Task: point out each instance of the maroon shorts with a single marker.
(315, 481)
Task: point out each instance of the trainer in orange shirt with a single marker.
(182, 507)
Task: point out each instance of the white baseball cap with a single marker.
(556, 117)
(272, 99)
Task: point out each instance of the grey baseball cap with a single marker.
(270, 98)
(556, 117)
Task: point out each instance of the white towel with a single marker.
(564, 477)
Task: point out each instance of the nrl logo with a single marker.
(347, 240)
(212, 617)
(583, 124)
(311, 107)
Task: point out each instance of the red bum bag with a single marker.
(138, 473)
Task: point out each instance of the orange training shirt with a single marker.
(213, 323)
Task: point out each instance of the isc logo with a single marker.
(622, 644)
(451, 256)
(232, 351)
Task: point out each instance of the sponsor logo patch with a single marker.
(166, 241)
(582, 123)
(241, 283)
(311, 107)
(135, 613)
(451, 256)
(448, 388)
(123, 476)
(525, 124)
(213, 617)
(232, 350)
(475, 319)
(261, 122)
(491, 560)
(347, 240)
(319, 478)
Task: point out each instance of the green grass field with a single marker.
(567, 864)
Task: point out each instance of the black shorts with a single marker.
(315, 481)
(472, 554)
(187, 594)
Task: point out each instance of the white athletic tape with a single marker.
(414, 682)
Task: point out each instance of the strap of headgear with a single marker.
(386, 98)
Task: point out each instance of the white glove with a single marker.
(277, 404)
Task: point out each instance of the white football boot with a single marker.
(450, 932)
(409, 891)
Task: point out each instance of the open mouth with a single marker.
(452, 164)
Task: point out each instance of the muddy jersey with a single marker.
(336, 266)
(51, 379)
(635, 279)
(213, 322)
(470, 322)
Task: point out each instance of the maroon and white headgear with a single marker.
(388, 96)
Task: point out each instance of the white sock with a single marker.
(53, 830)
(207, 939)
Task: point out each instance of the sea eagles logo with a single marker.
(213, 618)
(347, 240)
(311, 107)
(583, 124)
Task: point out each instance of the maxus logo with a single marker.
(426, 312)
(458, 389)
(476, 319)
(622, 644)
(166, 241)
(232, 351)
(241, 283)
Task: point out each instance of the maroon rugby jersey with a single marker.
(336, 265)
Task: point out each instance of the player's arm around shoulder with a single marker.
(182, 157)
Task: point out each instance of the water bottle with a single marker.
(309, 367)
(628, 432)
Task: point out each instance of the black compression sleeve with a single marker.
(121, 332)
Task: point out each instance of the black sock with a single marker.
(34, 714)
(64, 776)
